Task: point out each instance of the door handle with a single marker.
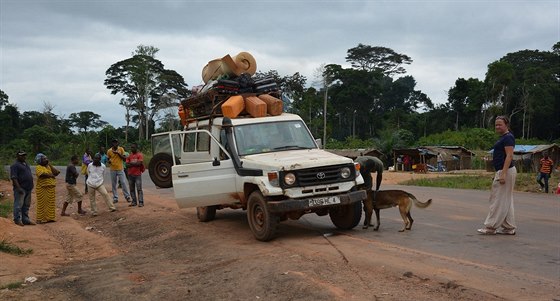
(182, 175)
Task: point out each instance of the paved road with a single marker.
(446, 232)
(444, 240)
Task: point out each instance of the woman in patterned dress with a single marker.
(45, 189)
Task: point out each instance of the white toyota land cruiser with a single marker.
(270, 166)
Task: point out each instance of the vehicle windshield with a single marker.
(272, 136)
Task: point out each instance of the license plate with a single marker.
(324, 201)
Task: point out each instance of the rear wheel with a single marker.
(160, 170)
(264, 224)
(206, 214)
(346, 217)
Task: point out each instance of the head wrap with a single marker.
(39, 157)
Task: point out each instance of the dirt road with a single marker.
(161, 252)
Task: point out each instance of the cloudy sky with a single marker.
(57, 51)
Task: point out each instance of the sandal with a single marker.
(486, 231)
(505, 231)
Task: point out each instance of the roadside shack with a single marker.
(412, 159)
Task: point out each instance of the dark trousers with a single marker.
(135, 183)
(544, 176)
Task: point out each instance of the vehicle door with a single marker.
(204, 178)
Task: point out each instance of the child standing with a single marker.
(72, 192)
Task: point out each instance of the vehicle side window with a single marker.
(190, 141)
(223, 141)
(203, 142)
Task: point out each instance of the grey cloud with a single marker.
(49, 48)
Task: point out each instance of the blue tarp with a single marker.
(521, 148)
(524, 148)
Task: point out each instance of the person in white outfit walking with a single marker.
(96, 169)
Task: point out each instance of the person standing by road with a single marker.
(369, 164)
(72, 192)
(439, 162)
(545, 171)
(103, 153)
(116, 158)
(86, 160)
(22, 181)
(96, 171)
(46, 194)
(135, 163)
(501, 196)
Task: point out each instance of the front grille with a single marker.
(318, 176)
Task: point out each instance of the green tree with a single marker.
(3, 99)
(146, 85)
(86, 120)
(39, 137)
(377, 58)
(467, 99)
(528, 82)
(9, 119)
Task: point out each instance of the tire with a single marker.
(346, 217)
(264, 224)
(160, 170)
(206, 214)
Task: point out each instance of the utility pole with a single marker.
(354, 125)
(147, 119)
(325, 115)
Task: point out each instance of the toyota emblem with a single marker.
(320, 175)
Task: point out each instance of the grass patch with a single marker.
(6, 207)
(12, 286)
(524, 182)
(460, 182)
(7, 247)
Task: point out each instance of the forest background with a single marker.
(372, 103)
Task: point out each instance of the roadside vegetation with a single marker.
(12, 286)
(5, 204)
(524, 182)
(8, 247)
(5, 207)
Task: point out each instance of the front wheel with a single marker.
(206, 214)
(263, 223)
(346, 217)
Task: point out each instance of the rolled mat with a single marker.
(274, 106)
(255, 107)
(233, 106)
(245, 63)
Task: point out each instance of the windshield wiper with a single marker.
(290, 147)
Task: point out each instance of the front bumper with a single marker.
(304, 204)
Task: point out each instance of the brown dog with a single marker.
(383, 199)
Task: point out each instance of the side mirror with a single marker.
(216, 162)
(319, 142)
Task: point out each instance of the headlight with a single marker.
(289, 179)
(345, 172)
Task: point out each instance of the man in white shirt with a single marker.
(96, 169)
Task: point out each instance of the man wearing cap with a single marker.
(22, 181)
(116, 157)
